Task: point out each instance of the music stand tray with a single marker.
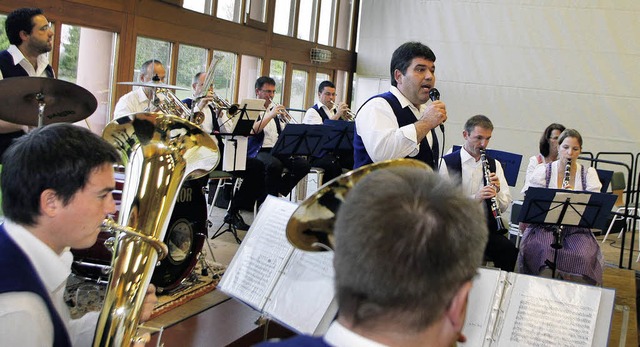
(560, 208)
(338, 137)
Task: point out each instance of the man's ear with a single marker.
(397, 75)
(23, 35)
(457, 310)
(49, 202)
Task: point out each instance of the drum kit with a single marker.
(39, 101)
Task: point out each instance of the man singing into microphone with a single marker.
(398, 123)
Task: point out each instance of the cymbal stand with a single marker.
(41, 105)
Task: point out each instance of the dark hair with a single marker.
(403, 55)
(264, 80)
(325, 84)
(546, 135)
(478, 120)
(405, 241)
(19, 20)
(60, 157)
(570, 133)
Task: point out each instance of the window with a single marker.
(81, 51)
(306, 20)
(191, 60)
(298, 89)
(277, 72)
(229, 10)
(326, 20)
(147, 49)
(257, 11)
(250, 70)
(344, 25)
(284, 17)
(4, 41)
(224, 77)
(201, 6)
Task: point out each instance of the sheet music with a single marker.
(481, 308)
(262, 255)
(571, 217)
(235, 153)
(545, 312)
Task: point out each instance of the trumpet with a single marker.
(348, 115)
(567, 175)
(495, 210)
(168, 103)
(283, 115)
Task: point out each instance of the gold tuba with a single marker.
(310, 227)
(159, 153)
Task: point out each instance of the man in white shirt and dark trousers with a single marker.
(465, 166)
(31, 38)
(332, 163)
(216, 122)
(57, 184)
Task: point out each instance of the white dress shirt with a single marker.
(313, 117)
(24, 318)
(539, 178)
(339, 336)
(271, 131)
(133, 102)
(473, 179)
(383, 138)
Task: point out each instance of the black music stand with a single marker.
(338, 137)
(299, 139)
(243, 128)
(560, 208)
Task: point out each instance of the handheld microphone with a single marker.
(434, 95)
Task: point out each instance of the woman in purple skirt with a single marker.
(580, 258)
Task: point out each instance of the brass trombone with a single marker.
(348, 115)
(217, 101)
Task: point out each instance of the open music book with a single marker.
(510, 309)
(267, 273)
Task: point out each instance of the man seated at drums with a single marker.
(326, 108)
(396, 281)
(56, 184)
(31, 38)
(267, 129)
(217, 121)
(465, 166)
(141, 99)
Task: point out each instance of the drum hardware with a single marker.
(39, 101)
(160, 152)
(310, 227)
(153, 85)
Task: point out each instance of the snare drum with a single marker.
(184, 237)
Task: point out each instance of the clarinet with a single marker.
(495, 210)
(567, 174)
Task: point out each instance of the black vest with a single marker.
(321, 112)
(405, 117)
(454, 166)
(10, 69)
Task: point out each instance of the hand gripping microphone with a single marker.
(434, 95)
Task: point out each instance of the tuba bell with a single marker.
(310, 227)
(159, 152)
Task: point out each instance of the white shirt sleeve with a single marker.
(83, 329)
(383, 138)
(593, 182)
(312, 117)
(504, 195)
(24, 320)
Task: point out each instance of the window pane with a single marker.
(298, 91)
(283, 19)
(344, 27)
(306, 20)
(4, 41)
(325, 28)
(191, 60)
(229, 10)
(320, 77)
(224, 77)
(147, 49)
(257, 10)
(81, 50)
(250, 69)
(201, 6)
(277, 72)
(341, 85)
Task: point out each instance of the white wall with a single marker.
(524, 64)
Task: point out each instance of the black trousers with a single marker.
(332, 164)
(501, 251)
(276, 180)
(252, 188)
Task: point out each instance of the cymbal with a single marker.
(153, 85)
(64, 101)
